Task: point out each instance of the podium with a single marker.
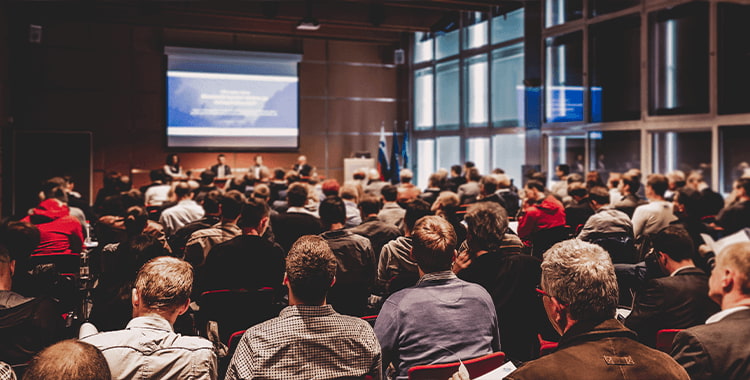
(353, 164)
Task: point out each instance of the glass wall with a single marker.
(475, 34)
(509, 154)
(478, 151)
(507, 86)
(422, 47)
(508, 26)
(447, 96)
(561, 11)
(425, 161)
(569, 150)
(734, 58)
(614, 151)
(448, 152)
(476, 83)
(564, 73)
(735, 155)
(686, 151)
(423, 101)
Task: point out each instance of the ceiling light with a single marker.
(308, 23)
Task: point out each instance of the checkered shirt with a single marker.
(6, 372)
(307, 342)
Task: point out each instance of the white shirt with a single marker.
(724, 313)
(651, 218)
(157, 195)
(182, 213)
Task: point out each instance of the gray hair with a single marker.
(581, 275)
(486, 223)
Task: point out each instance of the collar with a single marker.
(307, 311)
(594, 330)
(437, 276)
(337, 233)
(150, 322)
(678, 270)
(391, 205)
(186, 202)
(724, 313)
(299, 210)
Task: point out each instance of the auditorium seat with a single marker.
(476, 367)
(235, 309)
(664, 339)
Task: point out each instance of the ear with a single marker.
(561, 312)
(727, 280)
(184, 307)
(12, 267)
(285, 281)
(135, 298)
(333, 282)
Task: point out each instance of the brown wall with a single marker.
(108, 78)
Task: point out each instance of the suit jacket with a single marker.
(288, 227)
(227, 170)
(675, 302)
(604, 350)
(717, 350)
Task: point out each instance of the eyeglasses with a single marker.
(541, 293)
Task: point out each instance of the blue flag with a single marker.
(405, 148)
(383, 168)
(395, 167)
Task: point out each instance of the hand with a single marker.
(459, 376)
(462, 261)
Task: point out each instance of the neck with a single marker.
(251, 231)
(674, 265)
(336, 226)
(294, 301)
(171, 317)
(371, 216)
(735, 299)
(6, 283)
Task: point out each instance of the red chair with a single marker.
(664, 339)
(546, 347)
(235, 309)
(371, 319)
(476, 367)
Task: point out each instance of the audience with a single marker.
(148, 347)
(211, 216)
(469, 191)
(609, 228)
(296, 221)
(442, 318)
(68, 360)
(719, 349)
(309, 339)
(378, 232)
(391, 212)
(630, 183)
(407, 191)
(650, 218)
(542, 217)
(184, 212)
(201, 241)
(350, 196)
(579, 292)
(737, 216)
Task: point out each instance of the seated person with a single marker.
(68, 360)
(441, 319)
(579, 292)
(308, 340)
(148, 347)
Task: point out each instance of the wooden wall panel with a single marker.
(313, 79)
(344, 51)
(362, 81)
(360, 116)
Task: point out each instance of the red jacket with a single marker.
(59, 232)
(540, 216)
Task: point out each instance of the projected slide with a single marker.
(231, 110)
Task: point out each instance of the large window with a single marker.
(446, 93)
(423, 108)
(476, 90)
(448, 151)
(507, 86)
(734, 58)
(509, 154)
(564, 85)
(508, 26)
(735, 156)
(425, 161)
(561, 11)
(686, 151)
(614, 151)
(478, 151)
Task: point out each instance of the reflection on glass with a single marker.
(558, 12)
(422, 47)
(614, 151)
(616, 70)
(507, 86)
(568, 150)
(686, 151)
(678, 45)
(476, 90)
(423, 99)
(509, 154)
(478, 151)
(425, 161)
(447, 95)
(564, 79)
(735, 156)
(508, 26)
(447, 44)
(734, 58)
(448, 152)
(475, 30)
(600, 7)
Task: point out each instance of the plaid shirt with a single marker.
(307, 342)
(6, 372)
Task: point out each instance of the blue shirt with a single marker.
(441, 319)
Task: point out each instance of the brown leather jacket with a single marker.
(599, 351)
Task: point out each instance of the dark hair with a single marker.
(158, 175)
(332, 210)
(675, 242)
(20, 238)
(600, 194)
(253, 211)
(534, 184)
(691, 199)
(211, 201)
(310, 269)
(564, 168)
(745, 184)
(207, 177)
(68, 359)
(456, 169)
(658, 183)
(389, 193)
(182, 189)
(577, 189)
(296, 195)
(593, 179)
(278, 173)
(370, 205)
(472, 174)
(138, 250)
(136, 218)
(469, 164)
(486, 225)
(415, 210)
(433, 244)
(169, 159)
(489, 183)
(231, 204)
(631, 180)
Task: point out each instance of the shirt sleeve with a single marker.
(639, 221)
(242, 365)
(387, 330)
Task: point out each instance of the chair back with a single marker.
(27, 328)
(664, 339)
(546, 238)
(476, 367)
(235, 309)
(371, 319)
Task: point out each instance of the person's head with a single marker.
(231, 204)
(261, 191)
(7, 268)
(503, 181)
(373, 175)
(562, 170)
(406, 175)
(656, 186)
(137, 250)
(415, 210)
(445, 201)
(456, 170)
(577, 190)
(258, 160)
(593, 179)
(598, 197)
(729, 284)
(330, 187)
(68, 360)
(359, 174)
(534, 190)
(301, 160)
(686, 203)
(296, 195)
(488, 185)
(158, 175)
(254, 216)
(614, 180)
(291, 177)
(19, 238)
(469, 164)
(673, 248)
(310, 270)
(221, 159)
(210, 202)
(629, 183)
(389, 193)
(580, 280)
(486, 223)
(472, 174)
(136, 218)
(163, 287)
(742, 188)
(435, 180)
(433, 244)
(369, 205)
(207, 177)
(349, 192)
(278, 174)
(676, 179)
(183, 190)
(332, 211)
(173, 159)
(694, 180)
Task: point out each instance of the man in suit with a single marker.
(719, 349)
(302, 167)
(221, 169)
(677, 301)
